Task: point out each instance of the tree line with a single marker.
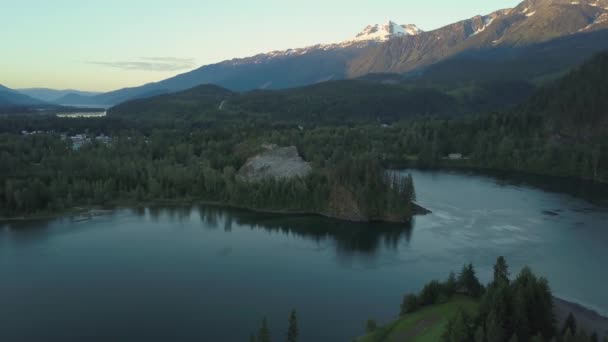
(44, 173)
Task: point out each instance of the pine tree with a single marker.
(469, 282)
(501, 271)
(292, 331)
(451, 284)
(494, 329)
(264, 332)
(409, 304)
(569, 324)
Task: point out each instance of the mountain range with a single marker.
(12, 98)
(533, 42)
(572, 107)
(55, 96)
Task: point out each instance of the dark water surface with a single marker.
(211, 274)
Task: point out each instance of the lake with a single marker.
(211, 274)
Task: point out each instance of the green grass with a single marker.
(424, 325)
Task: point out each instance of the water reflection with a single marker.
(349, 237)
(592, 192)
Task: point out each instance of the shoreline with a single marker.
(586, 317)
(92, 211)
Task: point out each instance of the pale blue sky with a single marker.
(110, 44)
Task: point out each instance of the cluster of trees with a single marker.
(43, 173)
(521, 309)
(379, 194)
(264, 334)
(437, 292)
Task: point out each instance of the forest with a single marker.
(519, 308)
(44, 172)
(194, 155)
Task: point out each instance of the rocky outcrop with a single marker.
(275, 162)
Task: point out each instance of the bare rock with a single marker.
(275, 162)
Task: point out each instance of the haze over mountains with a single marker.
(535, 40)
(10, 97)
(55, 96)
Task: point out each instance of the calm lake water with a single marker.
(211, 274)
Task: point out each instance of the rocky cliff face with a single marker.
(275, 162)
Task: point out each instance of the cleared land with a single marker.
(424, 325)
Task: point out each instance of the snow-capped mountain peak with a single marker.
(387, 31)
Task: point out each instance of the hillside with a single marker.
(12, 98)
(536, 63)
(336, 101)
(577, 104)
(190, 102)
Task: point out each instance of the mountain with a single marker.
(387, 31)
(273, 70)
(53, 95)
(513, 35)
(12, 98)
(531, 22)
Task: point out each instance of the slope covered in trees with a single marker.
(518, 309)
(577, 104)
(329, 102)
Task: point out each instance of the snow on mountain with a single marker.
(387, 31)
(372, 34)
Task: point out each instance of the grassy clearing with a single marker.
(424, 325)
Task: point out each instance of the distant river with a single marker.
(211, 274)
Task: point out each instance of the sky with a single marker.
(106, 45)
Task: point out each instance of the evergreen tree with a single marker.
(468, 281)
(409, 304)
(501, 271)
(495, 331)
(451, 285)
(264, 332)
(569, 324)
(292, 330)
